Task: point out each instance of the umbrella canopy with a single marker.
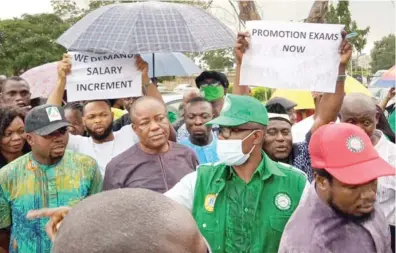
(388, 79)
(304, 99)
(170, 64)
(147, 27)
(41, 79)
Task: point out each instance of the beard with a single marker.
(353, 218)
(200, 139)
(100, 137)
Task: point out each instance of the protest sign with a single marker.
(297, 56)
(103, 76)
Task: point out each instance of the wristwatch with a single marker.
(341, 78)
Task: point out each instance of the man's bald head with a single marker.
(356, 102)
(190, 94)
(144, 103)
(128, 220)
(359, 109)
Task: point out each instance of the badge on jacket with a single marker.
(210, 200)
(282, 201)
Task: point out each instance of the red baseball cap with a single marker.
(346, 152)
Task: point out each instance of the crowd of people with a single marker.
(224, 177)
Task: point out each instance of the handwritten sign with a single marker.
(298, 56)
(106, 76)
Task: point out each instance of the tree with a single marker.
(68, 10)
(318, 12)
(383, 53)
(342, 15)
(29, 41)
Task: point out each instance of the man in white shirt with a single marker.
(360, 110)
(103, 144)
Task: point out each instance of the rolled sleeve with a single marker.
(184, 191)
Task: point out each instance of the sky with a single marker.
(378, 14)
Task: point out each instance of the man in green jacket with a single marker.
(242, 203)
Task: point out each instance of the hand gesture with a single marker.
(345, 50)
(64, 66)
(241, 45)
(56, 216)
(141, 65)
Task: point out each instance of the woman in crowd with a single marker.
(13, 143)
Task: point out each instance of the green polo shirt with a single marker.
(239, 217)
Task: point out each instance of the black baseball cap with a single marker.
(45, 119)
(286, 103)
(218, 76)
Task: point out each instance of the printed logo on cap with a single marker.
(355, 144)
(226, 105)
(53, 114)
(282, 201)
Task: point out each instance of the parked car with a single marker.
(161, 87)
(182, 87)
(173, 101)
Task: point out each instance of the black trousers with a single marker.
(392, 230)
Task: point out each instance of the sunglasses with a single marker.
(59, 132)
(211, 83)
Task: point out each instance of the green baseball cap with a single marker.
(238, 110)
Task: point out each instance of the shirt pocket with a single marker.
(208, 222)
(277, 223)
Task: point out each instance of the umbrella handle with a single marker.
(153, 66)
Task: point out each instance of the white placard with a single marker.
(298, 56)
(104, 76)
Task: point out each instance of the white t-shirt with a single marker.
(386, 189)
(104, 152)
(300, 129)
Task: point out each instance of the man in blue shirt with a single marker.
(202, 140)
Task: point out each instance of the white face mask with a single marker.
(230, 151)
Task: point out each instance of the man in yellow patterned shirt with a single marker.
(49, 176)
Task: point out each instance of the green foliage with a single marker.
(218, 60)
(358, 71)
(29, 41)
(342, 15)
(262, 93)
(67, 10)
(383, 53)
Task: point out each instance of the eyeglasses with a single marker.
(56, 133)
(211, 83)
(226, 131)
